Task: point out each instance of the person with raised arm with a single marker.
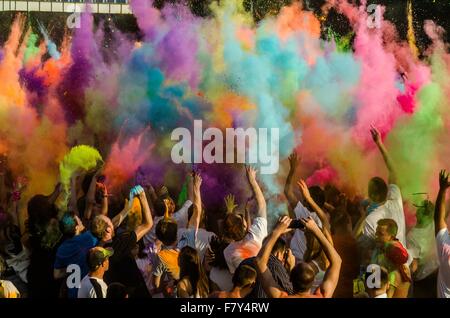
(302, 275)
(246, 240)
(386, 201)
(299, 209)
(123, 268)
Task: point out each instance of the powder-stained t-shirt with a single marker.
(236, 252)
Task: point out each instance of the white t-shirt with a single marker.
(443, 250)
(236, 252)
(391, 209)
(198, 240)
(86, 289)
(422, 245)
(298, 241)
(181, 216)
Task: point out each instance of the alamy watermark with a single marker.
(375, 17)
(252, 146)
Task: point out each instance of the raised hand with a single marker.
(304, 190)
(443, 180)
(282, 225)
(251, 173)
(310, 225)
(196, 179)
(293, 160)
(230, 204)
(376, 136)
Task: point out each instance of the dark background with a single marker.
(437, 10)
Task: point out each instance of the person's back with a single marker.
(388, 198)
(73, 250)
(248, 247)
(392, 208)
(246, 244)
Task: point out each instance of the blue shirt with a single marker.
(74, 251)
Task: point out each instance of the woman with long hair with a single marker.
(193, 281)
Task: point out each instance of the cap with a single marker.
(97, 255)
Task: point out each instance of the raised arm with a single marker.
(331, 278)
(261, 202)
(73, 193)
(104, 191)
(90, 195)
(289, 186)
(320, 213)
(439, 214)
(194, 221)
(118, 219)
(147, 220)
(270, 286)
(376, 136)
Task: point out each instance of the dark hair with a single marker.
(192, 268)
(391, 226)
(87, 182)
(318, 195)
(331, 193)
(234, 227)
(160, 207)
(217, 246)
(166, 231)
(340, 223)
(244, 275)
(116, 291)
(279, 246)
(40, 212)
(378, 190)
(302, 277)
(313, 248)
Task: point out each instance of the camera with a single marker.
(297, 224)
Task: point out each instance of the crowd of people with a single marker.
(327, 245)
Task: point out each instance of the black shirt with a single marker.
(122, 266)
(279, 274)
(41, 283)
